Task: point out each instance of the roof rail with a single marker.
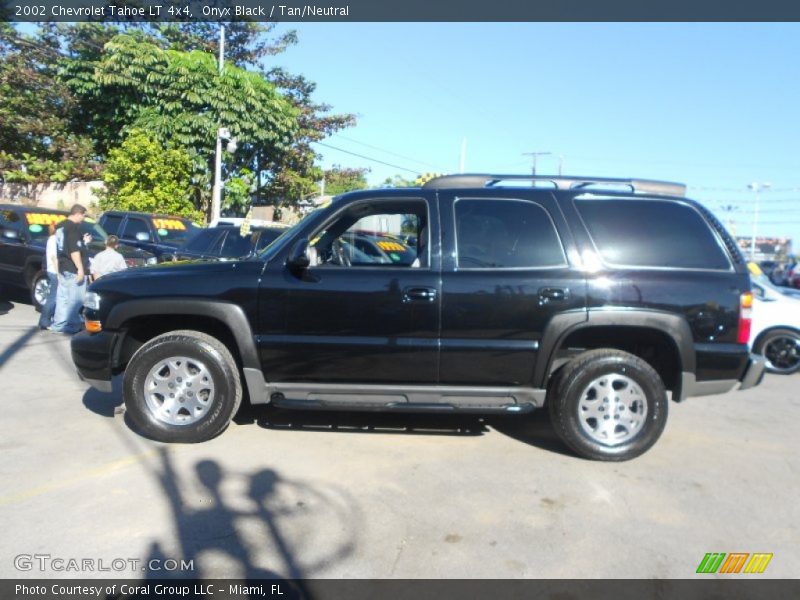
(637, 186)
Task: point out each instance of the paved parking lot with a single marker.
(347, 495)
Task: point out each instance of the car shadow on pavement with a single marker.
(270, 417)
(534, 429)
(105, 404)
(5, 307)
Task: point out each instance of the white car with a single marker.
(775, 329)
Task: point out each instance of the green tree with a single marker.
(398, 181)
(339, 180)
(144, 175)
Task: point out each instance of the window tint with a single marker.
(134, 226)
(9, 219)
(267, 237)
(111, 224)
(202, 241)
(505, 234)
(651, 233)
(236, 245)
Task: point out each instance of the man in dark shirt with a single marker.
(71, 274)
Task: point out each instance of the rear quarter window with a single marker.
(651, 233)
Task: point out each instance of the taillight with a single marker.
(745, 317)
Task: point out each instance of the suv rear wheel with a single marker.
(608, 405)
(182, 386)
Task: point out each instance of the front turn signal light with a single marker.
(93, 326)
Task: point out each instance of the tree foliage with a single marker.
(339, 180)
(143, 175)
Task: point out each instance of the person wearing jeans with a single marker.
(51, 258)
(72, 277)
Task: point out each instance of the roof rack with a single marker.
(637, 186)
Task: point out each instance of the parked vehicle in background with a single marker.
(160, 235)
(23, 237)
(598, 296)
(226, 242)
(775, 332)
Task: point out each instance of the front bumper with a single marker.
(754, 373)
(93, 355)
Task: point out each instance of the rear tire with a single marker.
(182, 386)
(781, 348)
(608, 405)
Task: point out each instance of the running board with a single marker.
(405, 398)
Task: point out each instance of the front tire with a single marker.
(781, 348)
(182, 386)
(40, 289)
(608, 405)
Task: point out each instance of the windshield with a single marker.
(312, 217)
(173, 229)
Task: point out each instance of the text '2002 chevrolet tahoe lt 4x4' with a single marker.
(593, 296)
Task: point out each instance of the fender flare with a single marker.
(231, 315)
(560, 326)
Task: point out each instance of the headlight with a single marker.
(92, 300)
(152, 260)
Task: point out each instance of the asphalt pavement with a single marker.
(321, 495)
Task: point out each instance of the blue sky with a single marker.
(711, 105)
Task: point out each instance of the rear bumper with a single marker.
(754, 372)
(93, 355)
(751, 376)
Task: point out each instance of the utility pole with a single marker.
(534, 156)
(757, 188)
(216, 192)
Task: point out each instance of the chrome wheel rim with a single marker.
(783, 353)
(41, 289)
(179, 390)
(612, 409)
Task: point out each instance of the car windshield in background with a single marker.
(98, 233)
(170, 229)
(38, 223)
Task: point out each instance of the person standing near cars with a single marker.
(71, 274)
(109, 260)
(51, 260)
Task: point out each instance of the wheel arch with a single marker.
(656, 327)
(139, 320)
(762, 334)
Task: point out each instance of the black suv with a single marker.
(593, 296)
(23, 237)
(158, 234)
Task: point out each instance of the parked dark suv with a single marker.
(158, 234)
(23, 236)
(593, 296)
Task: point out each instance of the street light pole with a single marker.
(535, 155)
(216, 193)
(757, 188)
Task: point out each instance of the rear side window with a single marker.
(134, 226)
(651, 233)
(111, 224)
(505, 234)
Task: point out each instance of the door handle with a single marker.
(416, 294)
(553, 295)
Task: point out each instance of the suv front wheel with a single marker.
(182, 386)
(608, 405)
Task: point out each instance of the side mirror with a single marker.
(11, 234)
(142, 237)
(298, 258)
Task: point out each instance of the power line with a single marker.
(375, 160)
(421, 162)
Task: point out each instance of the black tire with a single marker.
(568, 399)
(776, 346)
(39, 279)
(218, 366)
